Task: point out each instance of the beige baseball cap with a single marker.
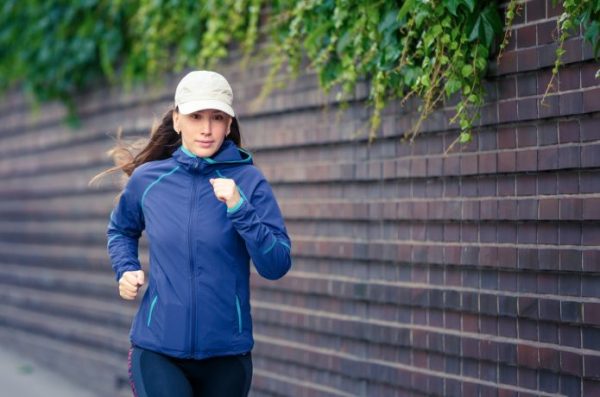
(203, 89)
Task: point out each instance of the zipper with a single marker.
(151, 309)
(239, 313)
(192, 273)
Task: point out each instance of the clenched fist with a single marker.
(226, 191)
(130, 283)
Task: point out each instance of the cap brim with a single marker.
(195, 106)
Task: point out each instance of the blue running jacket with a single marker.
(197, 303)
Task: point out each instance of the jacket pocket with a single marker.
(239, 313)
(151, 310)
(167, 323)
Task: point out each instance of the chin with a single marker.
(204, 152)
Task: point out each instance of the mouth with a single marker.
(204, 143)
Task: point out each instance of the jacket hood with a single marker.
(228, 154)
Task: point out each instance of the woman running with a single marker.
(206, 210)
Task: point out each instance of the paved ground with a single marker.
(22, 377)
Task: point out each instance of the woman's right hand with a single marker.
(130, 283)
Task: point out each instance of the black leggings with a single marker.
(156, 375)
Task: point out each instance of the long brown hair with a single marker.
(163, 142)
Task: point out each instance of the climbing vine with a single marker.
(428, 49)
(433, 50)
(585, 13)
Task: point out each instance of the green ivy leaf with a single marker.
(466, 71)
(452, 5)
(410, 75)
(406, 8)
(452, 86)
(487, 25)
(464, 137)
(390, 21)
(343, 42)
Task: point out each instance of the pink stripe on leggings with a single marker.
(131, 372)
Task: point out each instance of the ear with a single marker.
(229, 126)
(176, 116)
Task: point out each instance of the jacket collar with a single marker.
(228, 154)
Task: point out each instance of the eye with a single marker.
(219, 117)
(195, 116)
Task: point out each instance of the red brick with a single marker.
(590, 156)
(468, 164)
(451, 165)
(544, 77)
(547, 183)
(527, 59)
(591, 100)
(568, 183)
(526, 185)
(588, 51)
(507, 88)
(568, 131)
(588, 75)
(434, 166)
(569, 157)
(548, 209)
(590, 129)
(547, 159)
(526, 233)
(591, 208)
(571, 209)
(547, 55)
(570, 260)
(536, 9)
(526, 36)
(590, 234)
(570, 234)
(591, 313)
(527, 160)
(507, 162)
(487, 163)
(418, 167)
(507, 111)
(546, 32)
(569, 78)
(547, 233)
(573, 50)
(591, 387)
(591, 260)
(591, 366)
(590, 181)
(527, 356)
(527, 109)
(549, 359)
(549, 106)
(527, 136)
(527, 85)
(571, 103)
(508, 62)
(507, 392)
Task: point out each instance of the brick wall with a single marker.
(415, 272)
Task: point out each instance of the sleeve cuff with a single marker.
(236, 207)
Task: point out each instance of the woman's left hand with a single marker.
(226, 191)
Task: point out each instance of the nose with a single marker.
(206, 126)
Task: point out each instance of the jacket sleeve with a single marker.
(258, 220)
(124, 230)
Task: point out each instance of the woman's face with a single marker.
(202, 132)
